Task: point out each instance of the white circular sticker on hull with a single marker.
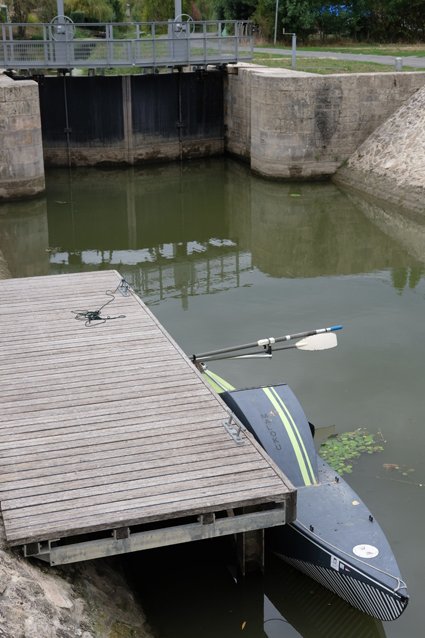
(365, 551)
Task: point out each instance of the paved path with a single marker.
(408, 60)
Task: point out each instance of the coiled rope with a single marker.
(94, 318)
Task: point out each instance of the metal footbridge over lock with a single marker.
(179, 42)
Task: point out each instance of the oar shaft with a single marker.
(250, 355)
(266, 342)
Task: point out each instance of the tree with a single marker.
(264, 17)
(393, 20)
(119, 10)
(300, 17)
(205, 9)
(93, 10)
(48, 10)
(19, 10)
(235, 9)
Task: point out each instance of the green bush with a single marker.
(78, 16)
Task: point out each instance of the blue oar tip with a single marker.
(333, 328)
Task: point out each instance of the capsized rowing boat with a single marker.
(335, 539)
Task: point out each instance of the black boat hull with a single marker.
(335, 538)
(304, 552)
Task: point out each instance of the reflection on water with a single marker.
(408, 229)
(24, 239)
(167, 230)
(300, 230)
(182, 231)
(310, 609)
(282, 604)
(224, 257)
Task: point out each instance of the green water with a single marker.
(224, 257)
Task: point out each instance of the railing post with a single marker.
(3, 36)
(294, 51)
(136, 50)
(10, 48)
(188, 47)
(153, 43)
(45, 45)
(109, 43)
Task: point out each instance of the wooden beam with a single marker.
(122, 543)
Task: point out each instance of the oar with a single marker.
(323, 341)
(266, 343)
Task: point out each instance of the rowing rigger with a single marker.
(319, 339)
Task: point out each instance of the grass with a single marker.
(417, 50)
(375, 50)
(324, 66)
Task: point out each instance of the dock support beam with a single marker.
(250, 551)
(247, 526)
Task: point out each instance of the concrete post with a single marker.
(399, 64)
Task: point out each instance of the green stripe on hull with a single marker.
(295, 438)
(217, 383)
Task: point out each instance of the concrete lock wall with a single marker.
(390, 164)
(286, 124)
(303, 126)
(21, 151)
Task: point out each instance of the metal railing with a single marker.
(67, 45)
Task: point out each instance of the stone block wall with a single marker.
(390, 164)
(304, 126)
(21, 150)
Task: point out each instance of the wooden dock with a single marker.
(110, 440)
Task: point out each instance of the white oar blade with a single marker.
(318, 342)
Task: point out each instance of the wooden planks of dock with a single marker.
(107, 428)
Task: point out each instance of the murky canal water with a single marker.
(223, 257)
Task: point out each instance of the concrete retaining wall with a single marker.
(21, 152)
(390, 164)
(287, 125)
(304, 126)
(237, 111)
